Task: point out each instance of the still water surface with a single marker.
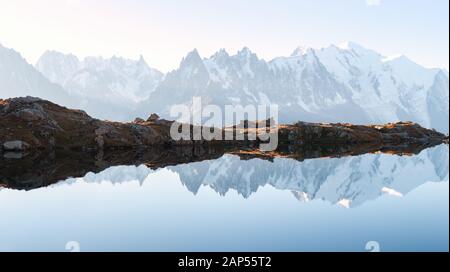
(230, 204)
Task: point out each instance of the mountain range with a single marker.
(347, 83)
(347, 181)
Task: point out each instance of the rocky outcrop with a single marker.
(138, 120)
(31, 123)
(45, 125)
(392, 133)
(153, 117)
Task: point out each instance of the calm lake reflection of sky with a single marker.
(402, 202)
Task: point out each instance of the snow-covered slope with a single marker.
(18, 78)
(335, 84)
(105, 88)
(115, 79)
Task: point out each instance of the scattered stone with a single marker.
(13, 155)
(15, 146)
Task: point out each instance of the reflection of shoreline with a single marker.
(37, 170)
(348, 181)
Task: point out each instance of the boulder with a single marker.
(153, 117)
(15, 146)
(13, 155)
(138, 120)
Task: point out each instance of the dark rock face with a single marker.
(31, 123)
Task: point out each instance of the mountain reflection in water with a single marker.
(197, 199)
(342, 175)
(348, 181)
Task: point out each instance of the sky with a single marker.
(164, 31)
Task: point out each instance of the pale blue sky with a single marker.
(164, 31)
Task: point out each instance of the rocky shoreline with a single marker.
(30, 123)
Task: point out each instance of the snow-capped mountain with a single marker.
(116, 79)
(347, 181)
(18, 78)
(347, 83)
(116, 84)
(104, 88)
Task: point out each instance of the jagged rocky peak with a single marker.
(58, 67)
(56, 56)
(222, 53)
(246, 55)
(245, 51)
(95, 63)
(300, 51)
(112, 83)
(192, 57)
(19, 78)
(346, 83)
(192, 67)
(142, 62)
